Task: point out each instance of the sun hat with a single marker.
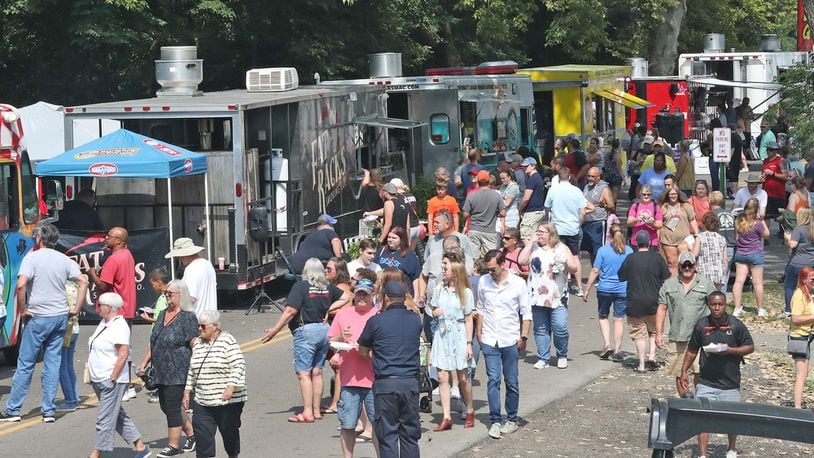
(183, 247)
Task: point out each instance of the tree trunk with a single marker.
(664, 47)
(808, 7)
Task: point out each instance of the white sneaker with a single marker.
(737, 313)
(562, 363)
(494, 431)
(455, 393)
(763, 314)
(731, 454)
(540, 364)
(508, 427)
(129, 394)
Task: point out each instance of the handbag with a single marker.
(797, 346)
(148, 377)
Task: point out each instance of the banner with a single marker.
(804, 41)
(148, 247)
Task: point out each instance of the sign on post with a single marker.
(722, 144)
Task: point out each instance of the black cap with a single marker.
(394, 288)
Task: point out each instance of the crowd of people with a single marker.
(498, 262)
(501, 262)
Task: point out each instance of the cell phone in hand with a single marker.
(147, 310)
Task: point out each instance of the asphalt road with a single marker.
(274, 396)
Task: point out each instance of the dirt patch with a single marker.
(608, 417)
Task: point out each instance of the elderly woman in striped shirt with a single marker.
(217, 375)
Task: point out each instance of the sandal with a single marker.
(361, 439)
(639, 371)
(327, 411)
(605, 354)
(300, 418)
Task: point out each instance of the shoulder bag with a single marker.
(798, 346)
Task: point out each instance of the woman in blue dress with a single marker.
(452, 304)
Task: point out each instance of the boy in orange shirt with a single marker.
(441, 202)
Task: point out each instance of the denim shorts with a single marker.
(717, 394)
(605, 300)
(350, 405)
(753, 259)
(310, 346)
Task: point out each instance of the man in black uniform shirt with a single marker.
(720, 375)
(80, 213)
(393, 335)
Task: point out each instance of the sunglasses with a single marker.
(647, 194)
(688, 266)
(508, 238)
(203, 326)
(329, 269)
(170, 293)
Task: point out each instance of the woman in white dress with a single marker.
(452, 304)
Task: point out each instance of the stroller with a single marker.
(426, 383)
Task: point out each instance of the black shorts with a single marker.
(773, 206)
(573, 242)
(169, 399)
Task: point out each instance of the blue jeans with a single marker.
(40, 332)
(548, 321)
(501, 360)
(67, 374)
(730, 259)
(790, 283)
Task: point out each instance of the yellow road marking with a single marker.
(92, 401)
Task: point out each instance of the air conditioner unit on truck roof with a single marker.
(272, 79)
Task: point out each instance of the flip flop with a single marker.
(639, 371)
(363, 439)
(300, 418)
(328, 411)
(605, 354)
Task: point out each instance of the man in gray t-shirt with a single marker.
(41, 294)
(482, 208)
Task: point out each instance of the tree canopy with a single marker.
(97, 50)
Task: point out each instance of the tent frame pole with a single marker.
(169, 214)
(208, 219)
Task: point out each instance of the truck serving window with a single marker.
(31, 209)
(439, 129)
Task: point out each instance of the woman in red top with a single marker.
(700, 200)
(511, 250)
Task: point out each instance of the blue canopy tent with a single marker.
(125, 154)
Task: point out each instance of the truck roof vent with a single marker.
(272, 79)
(179, 71)
(769, 42)
(714, 42)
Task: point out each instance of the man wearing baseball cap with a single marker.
(470, 169)
(396, 211)
(322, 244)
(533, 200)
(482, 208)
(393, 336)
(355, 372)
(684, 298)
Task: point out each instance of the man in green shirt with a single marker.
(684, 298)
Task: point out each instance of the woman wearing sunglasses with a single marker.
(174, 335)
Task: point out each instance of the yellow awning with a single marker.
(628, 100)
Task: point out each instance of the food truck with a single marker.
(277, 154)
(486, 106)
(581, 100)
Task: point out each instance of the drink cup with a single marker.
(221, 263)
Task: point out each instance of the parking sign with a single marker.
(722, 144)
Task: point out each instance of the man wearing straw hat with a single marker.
(752, 189)
(199, 275)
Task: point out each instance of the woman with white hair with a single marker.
(171, 342)
(308, 303)
(109, 352)
(217, 376)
